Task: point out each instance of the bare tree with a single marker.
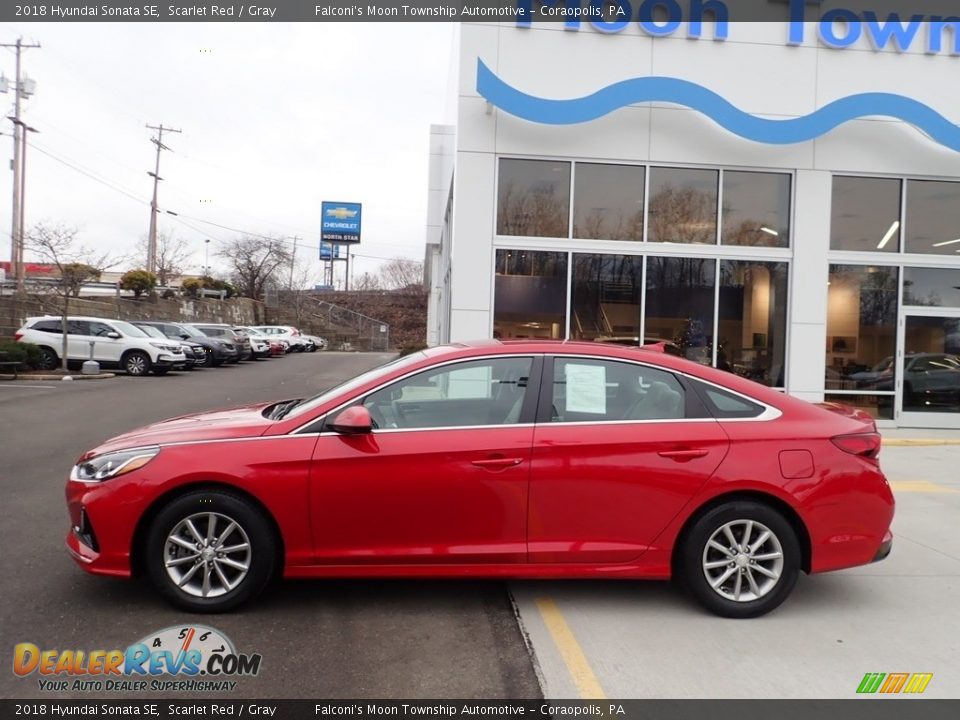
(401, 272)
(172, 254)
(299, 284)
(256, 263)
(367, 281)
(76, 265)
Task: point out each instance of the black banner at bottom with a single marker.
(873, 708)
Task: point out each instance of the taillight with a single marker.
(863, 444)
(17, 336)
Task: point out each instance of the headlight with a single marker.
(104, 467)
(168, 348)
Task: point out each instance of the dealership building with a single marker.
(780, 200)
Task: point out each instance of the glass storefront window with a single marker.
(530, 295)
(861, 328)
(932, 287)
(607, 298)
(756, 209)
(679, 305)
(683, 206)
(752, 328)
(931, 364)
(879, 406)
(865, 214)
(533, 198)
(608, 202)
(933, 217)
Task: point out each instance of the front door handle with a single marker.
(683, 455)
(497, 463)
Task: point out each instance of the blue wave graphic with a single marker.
(718, 109)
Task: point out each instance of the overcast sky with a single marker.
(275, 118)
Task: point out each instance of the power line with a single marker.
(87, 173)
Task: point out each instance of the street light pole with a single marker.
(206, 256)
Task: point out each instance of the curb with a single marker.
(917, 442)
(47, 378)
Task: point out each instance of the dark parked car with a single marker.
(193, 352)
(217, 350)
(226, 332)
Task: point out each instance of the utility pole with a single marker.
(152, 239)
(21, 89)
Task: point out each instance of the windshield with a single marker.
(128, 329)
(188, 330)
(151, 331)
(353, 383)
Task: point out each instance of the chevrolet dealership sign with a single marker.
(340, 223)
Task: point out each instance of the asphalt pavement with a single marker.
(332, 639)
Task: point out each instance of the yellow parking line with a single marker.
(580, 671)
(920, 486)
(918, 442)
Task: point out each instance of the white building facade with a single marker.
(778, 200)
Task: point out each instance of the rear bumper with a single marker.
(885, 547)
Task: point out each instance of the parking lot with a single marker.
(385, 639)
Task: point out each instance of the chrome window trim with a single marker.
(769, 412)
(455, 361)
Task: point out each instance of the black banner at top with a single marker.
(510, 11)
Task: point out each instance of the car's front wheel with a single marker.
(210, 551)
(136, 363)
(741, 559)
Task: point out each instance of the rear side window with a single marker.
(49, 326)
(725, 405)
(586, 390)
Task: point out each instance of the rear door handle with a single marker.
(497, 463)
(683, 455)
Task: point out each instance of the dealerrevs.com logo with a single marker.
(894, 683)
(177, 658)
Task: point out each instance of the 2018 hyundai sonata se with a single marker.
(493, 459)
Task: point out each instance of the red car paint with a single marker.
(535, 499)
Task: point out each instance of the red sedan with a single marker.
(494, 459)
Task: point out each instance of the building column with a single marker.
(806, 361)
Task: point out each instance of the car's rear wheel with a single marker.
(49, 360)
(741, 559)
(210, 551)
(136, 363)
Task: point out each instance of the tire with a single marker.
(49, 360)
(208, 360)
(136, 363)
(252, 530)
(737, 517)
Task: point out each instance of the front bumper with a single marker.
(170, 360)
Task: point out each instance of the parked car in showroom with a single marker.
(117, 344)
(193, 352)
(217, 350)
(226, 332)
(493, 459)
(288, 333)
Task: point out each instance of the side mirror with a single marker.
(184, 336)
(114, 335)
(352, 421)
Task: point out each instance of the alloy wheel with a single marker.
(743, 560)
(136, 364)
(207, 555)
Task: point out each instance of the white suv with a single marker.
(117, 344)
(287, 333)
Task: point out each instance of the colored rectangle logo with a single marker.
(894, 683)
(340, 222)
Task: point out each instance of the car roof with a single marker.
(74, 317)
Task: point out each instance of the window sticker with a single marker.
(586, 388)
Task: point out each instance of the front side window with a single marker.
(586, 390)
(480, 392)
(100, 329)
(533, 198)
